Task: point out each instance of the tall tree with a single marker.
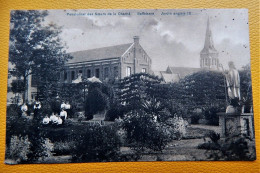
(133, 90)
(36, 48)
(204, 89)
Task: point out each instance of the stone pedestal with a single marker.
(236, 124)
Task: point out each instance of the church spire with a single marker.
(209, 55)
(208, 45)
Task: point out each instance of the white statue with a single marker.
(233, 82)
(233, 87)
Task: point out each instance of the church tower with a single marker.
(209, 55)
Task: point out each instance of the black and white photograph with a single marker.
(129, 85)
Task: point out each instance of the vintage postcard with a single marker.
(129, 85)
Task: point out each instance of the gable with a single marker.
(141, 55)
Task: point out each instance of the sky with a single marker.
(169, 37)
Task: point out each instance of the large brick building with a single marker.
(108, 63)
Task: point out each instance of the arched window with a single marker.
(72, 75)
(106, 72)
(116, 71)
(97, 73)
(88, 73)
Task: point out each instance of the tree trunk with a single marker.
(25, 93)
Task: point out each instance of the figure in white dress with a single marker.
(63, 105)
(46, 120)
(24, 109)
(63, 115)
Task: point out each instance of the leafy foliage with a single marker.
(97, 143)
(236, 147)
(98, 99)
(212, 117)
(36, 48)
(143, 132)
(46, 149)
(204, 89)
(136, 88)
(19, 148)
(17, 86)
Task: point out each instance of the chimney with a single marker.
(136, 39)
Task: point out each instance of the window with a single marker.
(72, 75)
(88, 73)
(65, 76)
(143, 70)
(80, 71)
(115, 71)
(106, 72)
(128, 71)
(97, 73)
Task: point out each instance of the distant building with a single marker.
(208, 61)
(174, 74)
(209, 55)
(108, 63)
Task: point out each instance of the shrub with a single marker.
(195, 118)
(115, 111)
(213, 144)
(235, 147)
(63, 147)
(19, 148)
(96, 101)
(97, 144)
(143, 131)
(212, 117)
(179, 126)
(46, 149)
(214, 137)
(13, 112)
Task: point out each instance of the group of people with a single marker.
(54, 118)
(36, 108)
(58, 119)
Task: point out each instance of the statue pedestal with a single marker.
(236, 124)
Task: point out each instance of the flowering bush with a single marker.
(143, 131)
(179, 126)
(46, 149)
(19, 148)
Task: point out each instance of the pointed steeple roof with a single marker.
(208, 45)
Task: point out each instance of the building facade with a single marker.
(108, 63)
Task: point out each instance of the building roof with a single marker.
(169, 78)
(182, 71)
(99, 53)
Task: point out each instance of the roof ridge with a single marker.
(100, 48)
(181, 67)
